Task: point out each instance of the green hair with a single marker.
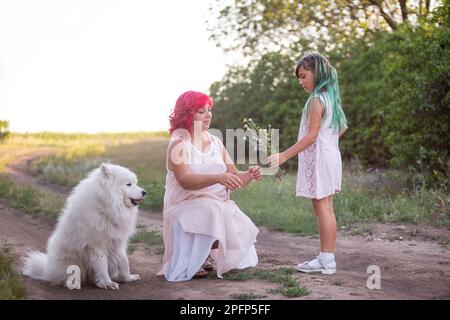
(325, 78)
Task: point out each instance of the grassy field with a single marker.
(65, 159)
(378, 196)
(365, 197)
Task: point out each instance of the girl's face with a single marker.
(306, 79)
(204, 115)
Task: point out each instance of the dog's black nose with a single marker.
(144, 193)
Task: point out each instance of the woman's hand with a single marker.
(277, 159)
(245, 177)
(255, 172)
(230, 180)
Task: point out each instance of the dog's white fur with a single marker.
(92, 231)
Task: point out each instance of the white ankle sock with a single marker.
(326, 256)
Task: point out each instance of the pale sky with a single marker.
(101, 65)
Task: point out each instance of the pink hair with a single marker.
(186, 106)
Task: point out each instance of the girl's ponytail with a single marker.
(339, 120)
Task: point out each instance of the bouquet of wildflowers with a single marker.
(262, 139)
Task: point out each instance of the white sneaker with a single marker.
(317, 265)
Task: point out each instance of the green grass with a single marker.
(131, 248)
(30, 200)
(247, 296)
(238, 275)
(150, 238)
(283, 276)
(272, 203)
(291, 292)
(11, 288)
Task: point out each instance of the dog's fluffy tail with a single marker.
(35, 264)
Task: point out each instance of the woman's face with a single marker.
(306, 79)
(204, 115)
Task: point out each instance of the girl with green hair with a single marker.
(319, 159)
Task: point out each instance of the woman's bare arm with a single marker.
(245, 176)
(176, 161)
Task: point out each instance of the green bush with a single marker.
(418, 116)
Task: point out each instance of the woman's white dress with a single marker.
(194, 219)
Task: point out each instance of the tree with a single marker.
(395, 93)
(4, 125)
(255, 27)
(418, 117)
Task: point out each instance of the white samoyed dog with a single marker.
(92, 232)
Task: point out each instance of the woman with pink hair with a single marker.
(200, 220)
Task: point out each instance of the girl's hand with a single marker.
(231, 181)
(277, 160)
(255, 172)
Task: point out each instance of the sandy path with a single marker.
(415, 268)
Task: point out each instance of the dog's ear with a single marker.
(105, 170)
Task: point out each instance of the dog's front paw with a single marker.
(107, 285)
(133, 277)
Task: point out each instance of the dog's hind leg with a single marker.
(99, 266)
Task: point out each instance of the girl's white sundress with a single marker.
(320, 165)
(194, 219)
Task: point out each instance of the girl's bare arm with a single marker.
(316, 113)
